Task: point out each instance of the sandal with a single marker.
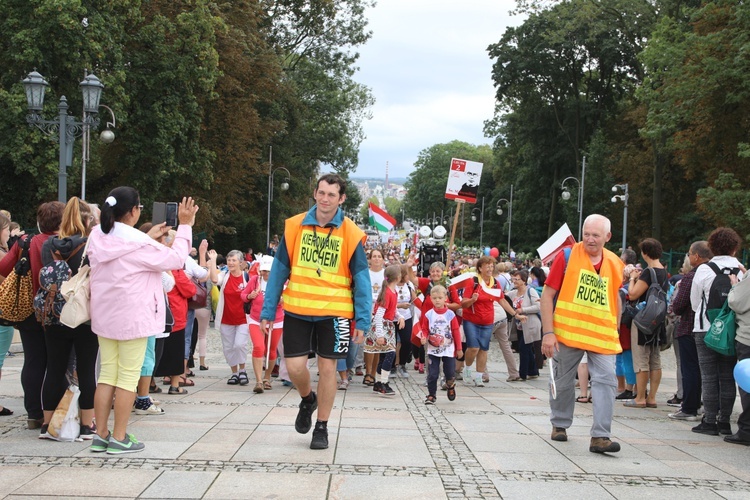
(186, 382)
(633, 404)
(154, 389)
(369, 380)
(243, 378)
(5, 412)
(430, 400)
(233, 380)
(190, 373)
(267, 385)
(452, 392)
(177, 391)
(583, 399)
(203, 368)
(258, 388)
(166, 381)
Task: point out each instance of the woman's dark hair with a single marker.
(118, 204)
(724, 241)
(651, 247)
(539, 274)
(49, 216)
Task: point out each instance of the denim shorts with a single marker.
(478, 335)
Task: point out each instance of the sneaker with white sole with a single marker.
(402, 372)
(468, 373)
(99, 444)
(681, 415)
(87, 432)
(478, 380)
(129, 445)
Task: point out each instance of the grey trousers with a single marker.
(603, 389)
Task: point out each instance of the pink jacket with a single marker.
(256, 305)
(127, 298)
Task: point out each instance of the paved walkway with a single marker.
(223, 441)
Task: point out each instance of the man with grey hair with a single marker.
(580, 309)
(698, 255)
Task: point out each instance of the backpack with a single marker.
(49, 301)
(652, 315)
(718, 293)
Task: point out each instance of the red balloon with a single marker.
(494, 252)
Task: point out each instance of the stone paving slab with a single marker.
(221, 441)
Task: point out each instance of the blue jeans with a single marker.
(350, 361)
(478, 335)
(449, 370)
(527, 361)
(189, 332)
(624, 366)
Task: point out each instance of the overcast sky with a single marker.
(429, 71)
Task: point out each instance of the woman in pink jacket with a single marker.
(254, 293)
(127, 304)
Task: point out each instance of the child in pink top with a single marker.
(382, 335)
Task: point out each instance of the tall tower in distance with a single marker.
(386, 176)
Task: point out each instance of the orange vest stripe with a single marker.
(320, 282)
(587, 307)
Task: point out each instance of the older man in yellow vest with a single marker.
(580, 314)
(322, 255)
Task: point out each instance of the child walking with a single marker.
(441, 337)
(382, 335)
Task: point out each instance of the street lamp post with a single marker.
(624, 198)
(566, 195)
(481, 222)
(66, 127)
(510, 213)
(284, 186)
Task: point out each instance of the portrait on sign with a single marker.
(463, 180)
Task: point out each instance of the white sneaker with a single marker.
(478, 381)
(402, 372)
(151, 410)
(468, 373)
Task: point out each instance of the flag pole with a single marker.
(459, 203)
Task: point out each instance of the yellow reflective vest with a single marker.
(586, 312)
(320, 281)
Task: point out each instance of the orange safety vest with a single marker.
(586, 312)
(320, 282)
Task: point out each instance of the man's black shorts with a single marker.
(328, 338)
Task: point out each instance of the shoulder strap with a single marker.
(566, 254)
(714, 267)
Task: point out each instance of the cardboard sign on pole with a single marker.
(459, 203)
(463, 180)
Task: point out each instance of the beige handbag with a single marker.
(77, 294)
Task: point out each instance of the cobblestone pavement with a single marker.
(221, 441)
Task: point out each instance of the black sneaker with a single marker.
(675, 401)
(386, 390)
(626, 394)
(319, 437)
(725, 428)
(377, 387)
(304, 417)
(706, 428)
(43, 434)
(88, 432)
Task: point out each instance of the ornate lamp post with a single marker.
(499, 211)
(284, 186)
(66, 127)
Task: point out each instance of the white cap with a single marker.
(266, 263)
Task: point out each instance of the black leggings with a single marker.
(61, 341)
(34, 366)
(404, 336)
